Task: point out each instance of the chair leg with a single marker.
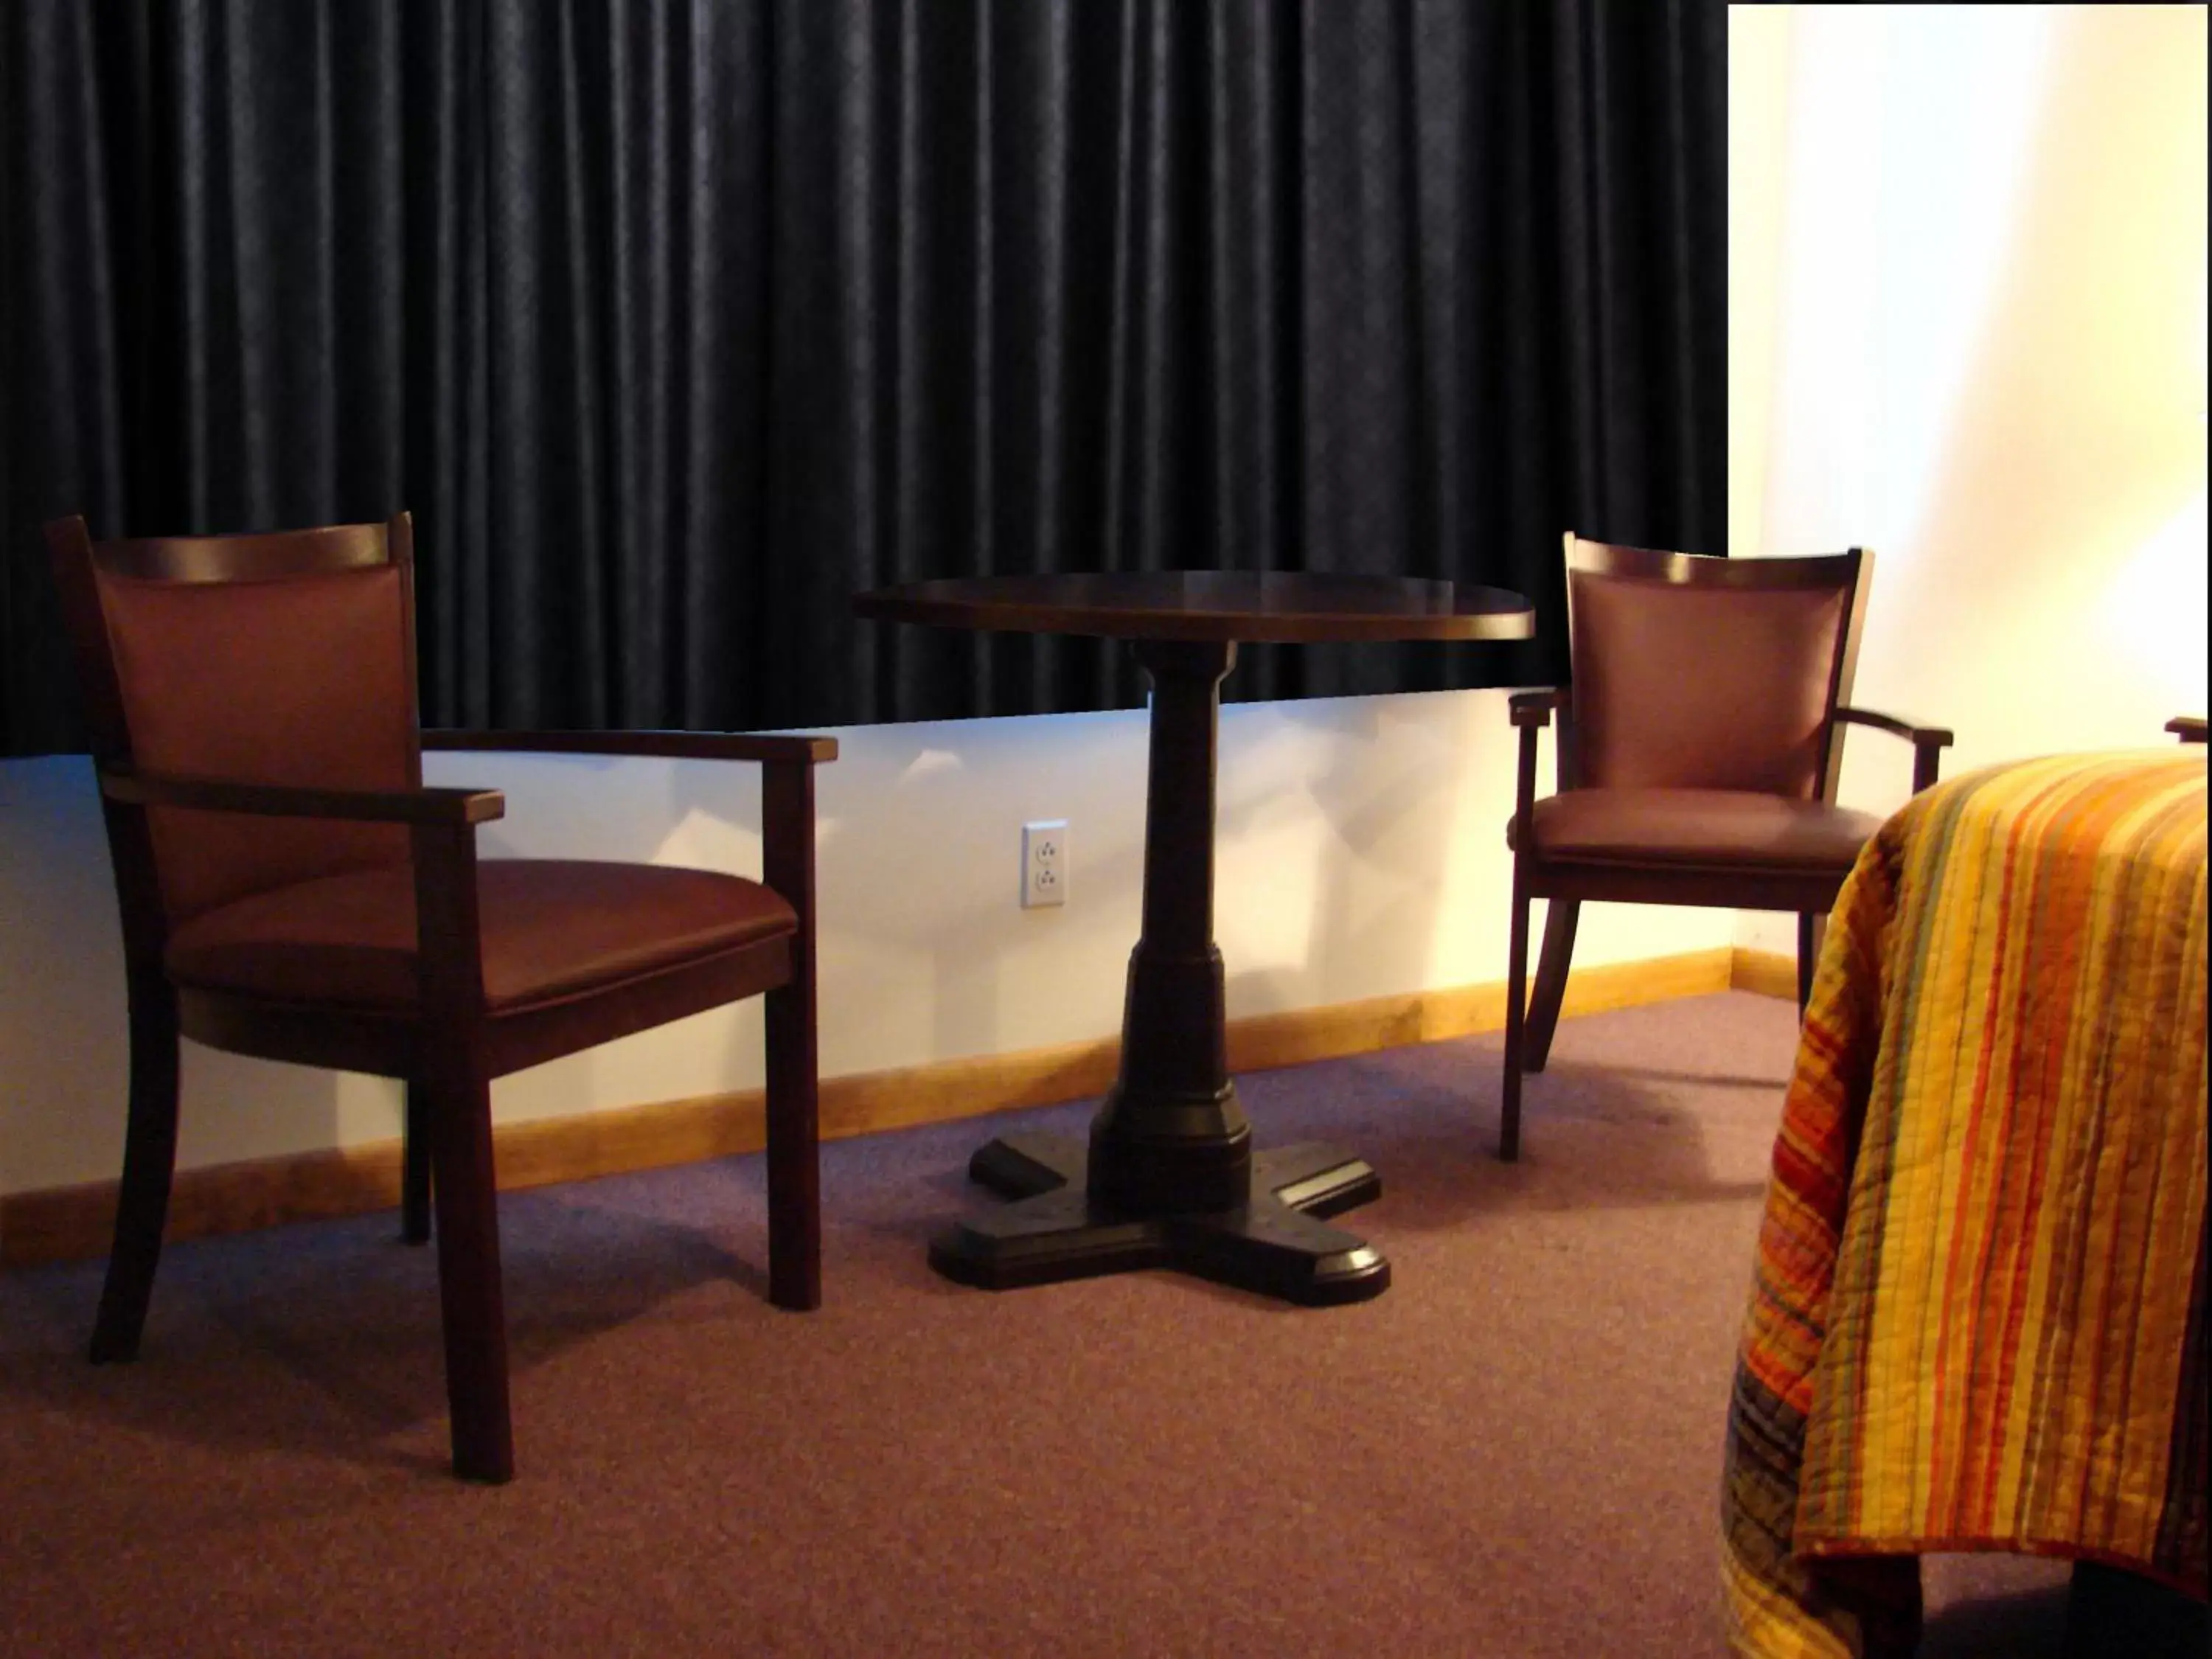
(456, 1108)
(150, 1161)
(1811, 928)
(794, 1175)
(1516, 975)
(414, 1169)
(1559, 917)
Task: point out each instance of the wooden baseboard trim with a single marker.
(74, 1223)
(1769, 973)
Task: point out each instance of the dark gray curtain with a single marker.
(676, 323)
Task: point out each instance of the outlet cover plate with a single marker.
(1044, 863)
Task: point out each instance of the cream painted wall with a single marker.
(1987, 270)
(1361, 853)
(1759, 128)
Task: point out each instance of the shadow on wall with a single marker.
(2076, 441)
(1360, 853)
(926, 953)
(1316, 790)
(63, 1031)
(1362, 806)
(64, 1046)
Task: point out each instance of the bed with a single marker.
(1977, 1313)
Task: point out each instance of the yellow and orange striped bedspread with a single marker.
(1976, 1316)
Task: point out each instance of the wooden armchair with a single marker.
(290, 889)
(1698, 746)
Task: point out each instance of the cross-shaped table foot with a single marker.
(1275, 1243)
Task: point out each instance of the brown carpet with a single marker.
(1514, 1452)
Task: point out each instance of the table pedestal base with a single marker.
(1275, 1245)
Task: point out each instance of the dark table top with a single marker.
(1209, 605)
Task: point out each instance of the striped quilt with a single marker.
(1977, 1315)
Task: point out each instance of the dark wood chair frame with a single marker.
(1528, 1034)
(2189, 728)
(448, 1049)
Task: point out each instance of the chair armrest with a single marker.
(1940, 736)
(2190, 728)
(1535, 707)
(663, 746)
(1531, 712)
(429, 807)
(1928, 741)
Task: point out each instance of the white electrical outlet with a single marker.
(1044, 863)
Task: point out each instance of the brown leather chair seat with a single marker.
(551, 928)
(1696, 827)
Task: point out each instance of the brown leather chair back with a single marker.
(313, 686)
(1694, 673)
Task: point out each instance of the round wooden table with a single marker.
(1168, 1176)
